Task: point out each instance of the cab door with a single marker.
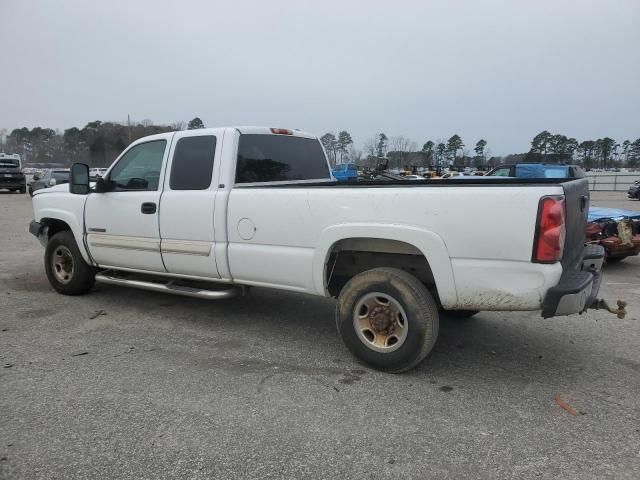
(188, 203)
(122, 223)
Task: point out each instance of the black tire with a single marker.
(460, 314)
(81, 277)
(422, 320)
(23, 190)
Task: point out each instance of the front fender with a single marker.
(429, 243)
(77, 228)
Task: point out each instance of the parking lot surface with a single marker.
(123, 383)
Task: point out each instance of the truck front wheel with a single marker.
(388, 319)
(67, 271)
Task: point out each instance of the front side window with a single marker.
(192, 164)
(139, 168)
(278, 158)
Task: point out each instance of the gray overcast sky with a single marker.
(501, 70)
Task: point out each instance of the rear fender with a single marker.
(430, 244)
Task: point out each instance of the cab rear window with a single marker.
(280, 158)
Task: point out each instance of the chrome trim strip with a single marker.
(124, 243)
(167, 274)
(186, 247)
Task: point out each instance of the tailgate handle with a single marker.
(583, 202)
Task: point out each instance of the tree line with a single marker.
(99, 143)
(401, 152)
(599, 153)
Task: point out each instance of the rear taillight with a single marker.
(550, 230)
(281, 131)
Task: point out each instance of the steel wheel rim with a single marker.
(62, 264)
(380, 322)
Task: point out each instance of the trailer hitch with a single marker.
(602, 304)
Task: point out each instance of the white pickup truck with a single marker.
(208, 213)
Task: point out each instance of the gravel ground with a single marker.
(123, 383)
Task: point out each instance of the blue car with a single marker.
(537, 170)
(345, 172)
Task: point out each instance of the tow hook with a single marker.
(603, 305)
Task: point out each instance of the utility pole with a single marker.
(129, 127)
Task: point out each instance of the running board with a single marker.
(168, 287)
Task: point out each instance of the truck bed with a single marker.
(446, 182)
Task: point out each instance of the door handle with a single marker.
(148, 207)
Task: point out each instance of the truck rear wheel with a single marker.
(67, 271)
(388, 319)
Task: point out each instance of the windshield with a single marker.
(6, 163)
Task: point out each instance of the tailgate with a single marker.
(580, 280)
(576, 194)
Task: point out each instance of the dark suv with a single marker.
(11, 177)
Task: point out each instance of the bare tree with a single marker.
(179, 125)
(3, 137)
(354, 155)
(402, 144)
(370, 146)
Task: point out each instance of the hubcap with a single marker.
(380, 322)
(62, 264)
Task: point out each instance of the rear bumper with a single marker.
(577, 289)
(12, 183)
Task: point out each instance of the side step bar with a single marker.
(168, 287)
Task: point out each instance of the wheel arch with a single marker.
(58, 221)
(420, 252)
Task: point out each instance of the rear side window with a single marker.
(278, 158)
(193, 163)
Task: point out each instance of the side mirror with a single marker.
(79, 179)
(103, 185)
(36, 177)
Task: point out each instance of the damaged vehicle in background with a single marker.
(49, 179)
(618, 231)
